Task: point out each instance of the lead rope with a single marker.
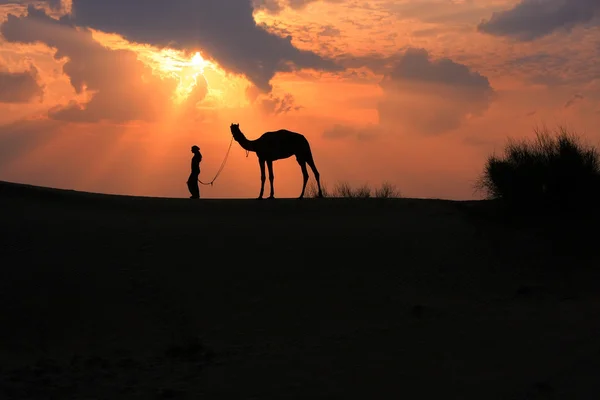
(221, 167)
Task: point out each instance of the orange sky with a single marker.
(413, 92)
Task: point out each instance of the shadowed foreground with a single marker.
(125, 297)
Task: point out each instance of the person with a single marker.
(192, 182)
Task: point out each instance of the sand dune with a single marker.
(105, 296)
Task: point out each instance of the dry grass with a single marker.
(345, 190)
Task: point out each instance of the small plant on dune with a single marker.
(362, 192)
(386, 191)
(312, 191)
(345, 190)
(556, 168)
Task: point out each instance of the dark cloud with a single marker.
(20, 87)
(424, 95)
(531, 19)
(123, 87)
(415, 65)
(431, 96)
(224, 30)
(276, 6)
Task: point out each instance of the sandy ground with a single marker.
(115, 297)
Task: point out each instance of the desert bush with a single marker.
(556, 168)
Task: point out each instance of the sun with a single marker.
(198, 61)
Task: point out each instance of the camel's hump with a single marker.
(282, 133)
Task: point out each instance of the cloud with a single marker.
(122, 87)
(52, 6)
(531, 19)
(574, 100)
(330, 30)
(20, 87)
(431, 96)
(442, 11)
(339, 131)
(272, 104)
(224, 30)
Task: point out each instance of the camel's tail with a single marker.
(309, 154)
(308, 158)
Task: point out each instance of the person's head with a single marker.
(195, 149)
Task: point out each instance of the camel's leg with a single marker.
(271, 178)
(304, 177)
(261, 162)
(312, 166)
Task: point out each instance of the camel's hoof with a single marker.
(270, 197)
(259, 198)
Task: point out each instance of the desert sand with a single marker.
(119, 297)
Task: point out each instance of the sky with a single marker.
(109, 96)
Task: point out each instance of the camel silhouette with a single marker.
(277, 145)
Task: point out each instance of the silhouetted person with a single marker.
(193, 179)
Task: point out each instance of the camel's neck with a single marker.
(246, 144)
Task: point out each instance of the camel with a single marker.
(278, 145)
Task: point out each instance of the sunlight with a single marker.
(188, 77)
(223, 89)
(175, 64)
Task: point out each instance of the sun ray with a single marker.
(201, 84)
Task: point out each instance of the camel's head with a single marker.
(235, 131)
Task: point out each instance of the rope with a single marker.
(221, 167)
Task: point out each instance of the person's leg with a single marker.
(192, 184)
(196, 188)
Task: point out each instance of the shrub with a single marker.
(555, 169)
